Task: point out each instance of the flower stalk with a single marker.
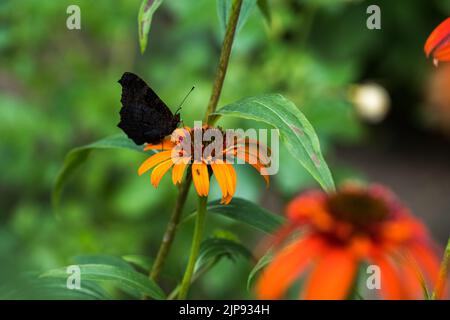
(212, 105)
(223, 61)
(169, 234)
(195, 248)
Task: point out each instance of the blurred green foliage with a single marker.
(59, 90)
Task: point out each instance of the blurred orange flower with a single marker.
(179, 156)
(438, 43)
(341, 230)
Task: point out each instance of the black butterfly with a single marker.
(144, 117)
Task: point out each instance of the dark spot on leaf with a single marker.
(316, 160)
(148, 5)
(297, 130)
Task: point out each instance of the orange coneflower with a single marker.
(438, 43)
(341, 230)
(185, 148)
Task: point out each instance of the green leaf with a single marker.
(146, 11)
(55, 289)
(211, 252)
(78, 156)
(58, 290)
(123, 278)
(108, 260)
(102, 259)
(359, 283)
(264, 7)
(295, 131)
(443, 271)
(224, 8)
(214, 249)
(264, 261)
(247, 212)
(140, 261)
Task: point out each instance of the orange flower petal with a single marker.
(360, 246)
(159, 171)
(333, 276)
(153, 161)
(397, 231)
(443, 53)
(391, 285)
(255, 153)
(427, 260)
(253, 143)
(227, 199)
(439, 37)
(230, 174)
(166, 144)
(177, 171)
(231, 180)
(412, 278)
(200, 177)
(219, 170)
(286, 266)
(310, 207)
(440, 289)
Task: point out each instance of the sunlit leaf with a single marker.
(123, 278)
(295, 131)
(78, 156)
(247, 212)
(224, 9)
(146, 11)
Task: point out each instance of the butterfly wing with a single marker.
(144, 117)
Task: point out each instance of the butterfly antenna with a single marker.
(184, 99)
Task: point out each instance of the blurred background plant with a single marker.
(58, 90)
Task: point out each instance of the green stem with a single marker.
(195, 248)
(195, 276)
(223, 61)
(217, 88)
(169, 235)
(442, 278)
